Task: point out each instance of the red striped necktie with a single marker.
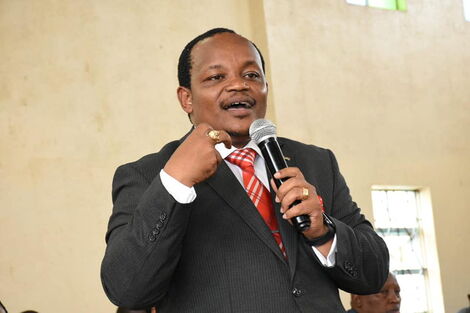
(258, 193)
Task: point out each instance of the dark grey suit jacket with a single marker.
(216, 254)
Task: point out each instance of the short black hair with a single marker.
(184, 62)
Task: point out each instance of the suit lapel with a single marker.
(288, 232)
(231, 191)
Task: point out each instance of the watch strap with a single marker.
(315, 242)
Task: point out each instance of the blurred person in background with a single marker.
(467, 309)
(387, 300)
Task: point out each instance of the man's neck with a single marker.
(239, 141)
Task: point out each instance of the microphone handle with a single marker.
(275, 161)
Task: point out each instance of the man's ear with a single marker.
(185, 98)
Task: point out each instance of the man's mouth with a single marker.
(235, 105)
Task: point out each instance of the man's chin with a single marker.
(239, 139)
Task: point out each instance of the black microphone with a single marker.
(263, 133)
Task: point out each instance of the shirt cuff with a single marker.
(330, 259)
(182, 193)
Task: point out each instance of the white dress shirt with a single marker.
(184, 194)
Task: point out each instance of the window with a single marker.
(402, 220)
(466, 10)
(399, 5)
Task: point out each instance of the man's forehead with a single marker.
(219, 41)
(391, 280)
(206, 51)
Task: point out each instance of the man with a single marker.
(185, 236)
(467, 309)
(386, 301)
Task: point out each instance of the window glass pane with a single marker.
(397, 221)
(384, 4)
(394, 209)
(357, 2)
(401, 5)
(380, 208)
(466, 9)
(413, 293)
(405, 252)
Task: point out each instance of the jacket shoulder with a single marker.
(315, 162)
(294, 146)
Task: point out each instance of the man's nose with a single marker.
(237, 84)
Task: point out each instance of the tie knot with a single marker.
(243, 158)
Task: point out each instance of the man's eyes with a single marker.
(216, 77)
(383, 293)
(252, 75)
(249, 75)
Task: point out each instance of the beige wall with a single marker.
(87, 85)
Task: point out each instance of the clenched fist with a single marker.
(196, 159)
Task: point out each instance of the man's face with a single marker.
(386, 301)
(228, 86)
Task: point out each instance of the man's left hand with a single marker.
(293, 189)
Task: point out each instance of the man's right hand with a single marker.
(196, 159)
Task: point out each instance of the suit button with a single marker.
(159, 224)
(163, 216)
(297, 292)
(156, 232)
(152, 237)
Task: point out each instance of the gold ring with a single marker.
(304, 193)
(214, 135)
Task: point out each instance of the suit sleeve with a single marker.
(144, 239)
(362, 259)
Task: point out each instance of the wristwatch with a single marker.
(315, 242)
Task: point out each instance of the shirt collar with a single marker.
(224, 152)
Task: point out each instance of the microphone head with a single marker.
(261, 129)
